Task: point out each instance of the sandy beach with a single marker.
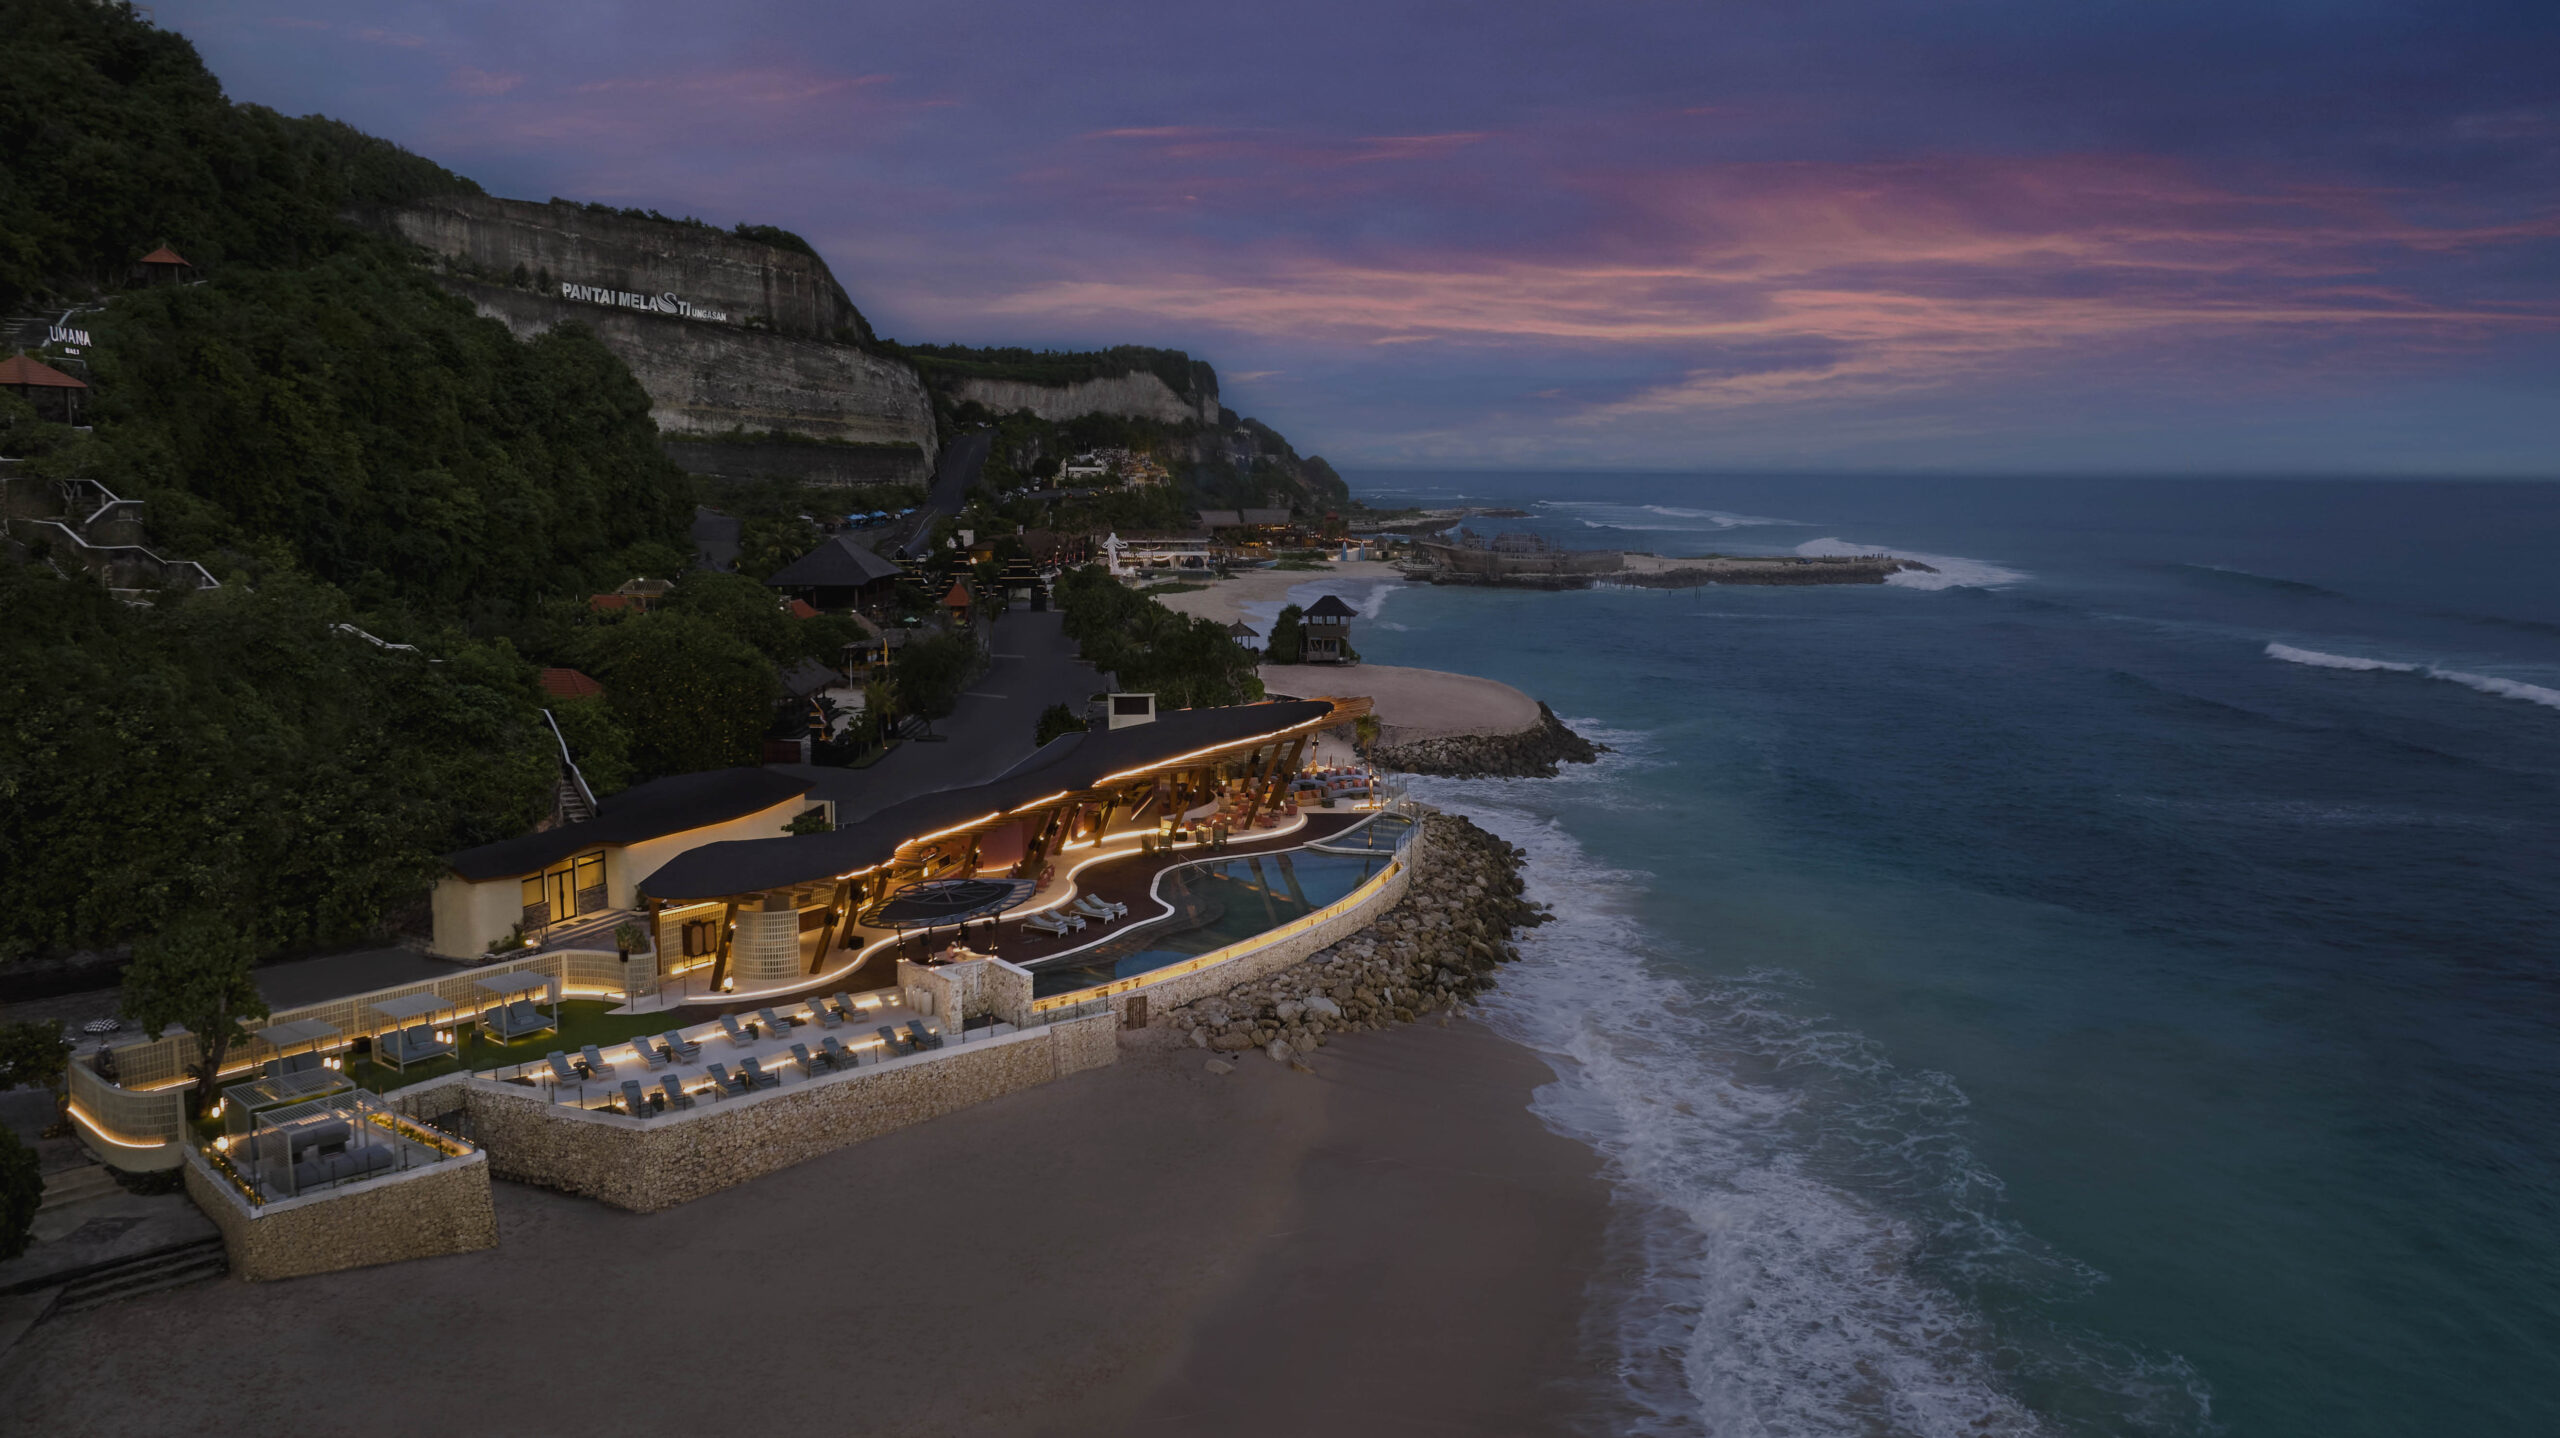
(1224, 599)
(1412, 703)
(1391, 1244)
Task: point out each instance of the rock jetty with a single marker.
(1434, 950)
(1532, 753)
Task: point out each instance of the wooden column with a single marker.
(1258, 781)
(835, 920)
(720, 962)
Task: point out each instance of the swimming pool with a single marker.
(1216, 902)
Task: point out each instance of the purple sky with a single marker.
(2295, 237)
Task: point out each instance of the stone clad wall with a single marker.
(442, 1208)
(1086, 1043)
(648, 1164)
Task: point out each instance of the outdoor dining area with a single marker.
(323, 1142)
(737, 1054)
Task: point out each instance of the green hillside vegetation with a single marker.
(1187, 663)
(1182, 374)
(117, 140)
(353, 453)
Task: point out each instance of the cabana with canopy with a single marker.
(287, 1077)
(512, 1015)
(412, 1036)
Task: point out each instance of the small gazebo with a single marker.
(55, 395)
(958, 602)
(164, 266)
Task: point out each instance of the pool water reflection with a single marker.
(1216, 903)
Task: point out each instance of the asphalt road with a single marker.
(1035, 666)
(957, 469)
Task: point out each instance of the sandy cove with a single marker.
(1224, 599)
(1389, 1244)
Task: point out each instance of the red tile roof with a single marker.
(165, 256)
(18, 369)
(958, 598)
(608, 601)
(568, 684)
(801, 609)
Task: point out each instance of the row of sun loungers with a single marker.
(1071, 918)
(671, 1048)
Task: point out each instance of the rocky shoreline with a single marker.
(1532, 753)
(1434, 950)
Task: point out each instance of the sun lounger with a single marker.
(808, 1061)
(924, 1039)
(634, 1102)
(847, 1007)
(836, 1053)
(596, 1066)
(737, 1035)
(676, 1096)
(560, 1067)
(1095, 907)
(756, 1076)
(775, 1025)
(646, 1052)
(823, 1015)
(1053, 923)
(897, 1044)
(679, 1048)
(728, 1085)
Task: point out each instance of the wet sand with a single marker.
(1391, 1244)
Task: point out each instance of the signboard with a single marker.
(666, 304)
(59, 335)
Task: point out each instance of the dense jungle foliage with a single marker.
(1187, 663)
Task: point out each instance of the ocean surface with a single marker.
(2110, 985)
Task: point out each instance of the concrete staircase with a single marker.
(75, 1185)
(171, 1267)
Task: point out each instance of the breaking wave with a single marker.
(2485, 683)
(1807, 1245)
(1952, 572)
(1657, 518)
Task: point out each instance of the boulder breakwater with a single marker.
(1531, 753)
(1434, 950)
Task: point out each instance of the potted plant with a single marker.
(626, 937)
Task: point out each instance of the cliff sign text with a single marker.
(666, 304)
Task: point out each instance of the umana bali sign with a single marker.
(666, 304)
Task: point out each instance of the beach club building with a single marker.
(793, 992)
(583, 876)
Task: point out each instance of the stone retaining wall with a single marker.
(648, 1164)
(441, 1208)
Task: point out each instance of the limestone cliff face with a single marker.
(707, 378)
(714, 272)
(1138, 395)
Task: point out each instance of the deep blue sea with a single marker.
(2109, 986)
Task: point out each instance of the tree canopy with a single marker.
(1186, 662)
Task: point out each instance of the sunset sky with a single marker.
(2163, 236)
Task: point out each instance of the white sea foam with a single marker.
(1952, 572)
(1369, 596)
(2485, 683)
(1768, 1295)
(1662, 517)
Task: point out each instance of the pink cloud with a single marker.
(1859, 278)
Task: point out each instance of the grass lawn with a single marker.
(582, 1021)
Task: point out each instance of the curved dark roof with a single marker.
(1331, 607)
(837, 562)
(642, 812)
(1070, 762)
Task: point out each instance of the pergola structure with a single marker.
(1086, 788)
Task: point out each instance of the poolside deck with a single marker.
(1131, 881)
(772, 1052)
